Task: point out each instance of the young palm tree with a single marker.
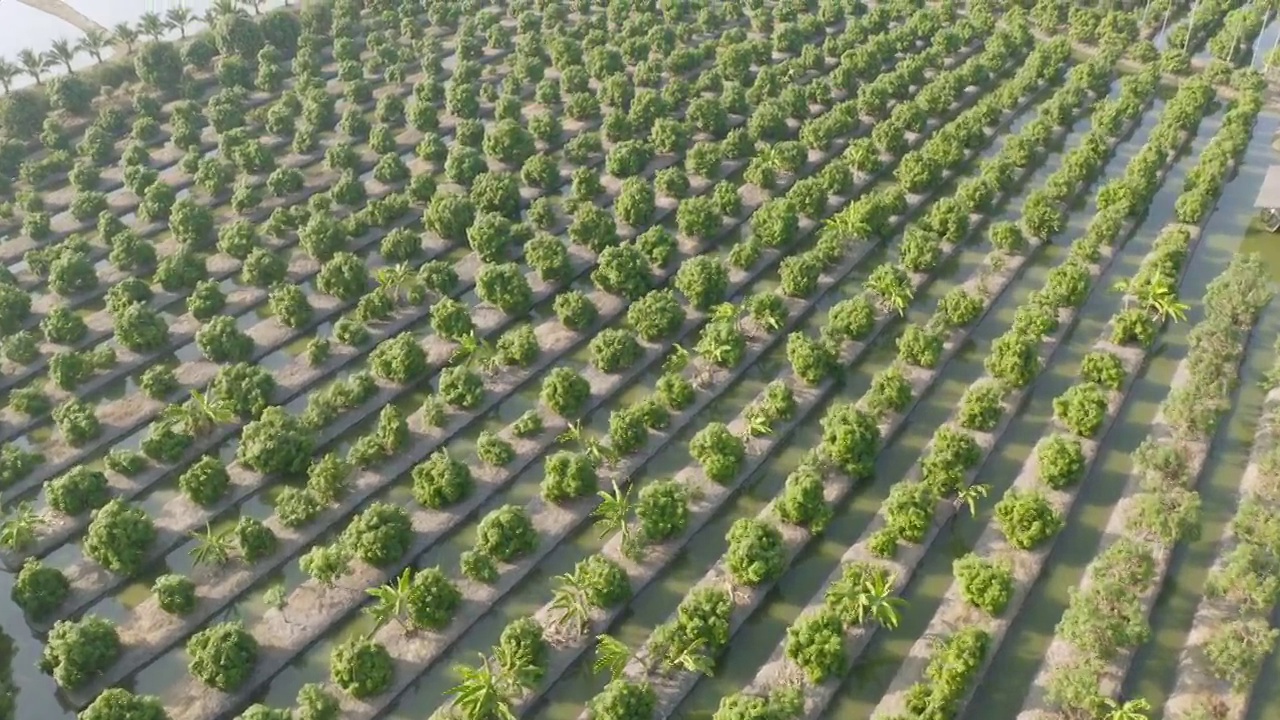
(611, 656)
(33, 64)
(200, 414)
(570, 608)
(481, 694)
(399, 281)
(19, 531)
(677, 360)
(211, 548)
(180, 18)
(392, 601)
(875, 601)
(758, 425)
(518, 673)
(95, 42)
(126, 35)
(726, 312)
(1163, 302)
(1135, 709)
(969, 495)
(475, 354)
(614, 513)
(152, 25)
(596, 451)
(62, 51)
(691, 659)
(8, 73)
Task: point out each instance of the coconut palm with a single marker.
(690, 658)
(875, 601)
(18, 532)
(474, 353)
(180, 18)
(481, 694)
(211, 548)
(1163, 302)
(200, 414)
(33, 64)
(518, 671)
(392, 601)
(1135, 709)
(152, 25)
(969, 495)
(570, 606)
(95, 42)
(758, 425)
(614, 513)
(596, 451)
(126, 35)
(895, 296)
(611, 656)
(398, 280)
(8, 73)
(62, 51)
(726, 312)
(677, 360)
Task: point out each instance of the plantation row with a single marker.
(1231, 635)
(704, 486)
(995, 578)
(391, 363)
(1222, 31)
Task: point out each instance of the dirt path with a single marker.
(65, 12)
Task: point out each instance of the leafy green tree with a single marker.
(76, 652)
(362, 667)
(120, 537)
(39, 589)
(223, 656)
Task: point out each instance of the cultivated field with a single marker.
(745, 360)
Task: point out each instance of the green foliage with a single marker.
(206, 481)
(1082, 409)
(255, 540)
(980, 407)
(506, 534)
(565, 391)
(276, 442)
(851, 438)
(78, 490)
(985, 584)
(568, 475)
(379, 535)
(441, 481)
(39, 589)
(223, 656)
(362, 667)
(718, 451)
(175, 594)
(663, 509)
(1027, 518)
(756, 552)
(76, 652)
(1061, 461)
(815, 642)
(120, 537)
(614, 350)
